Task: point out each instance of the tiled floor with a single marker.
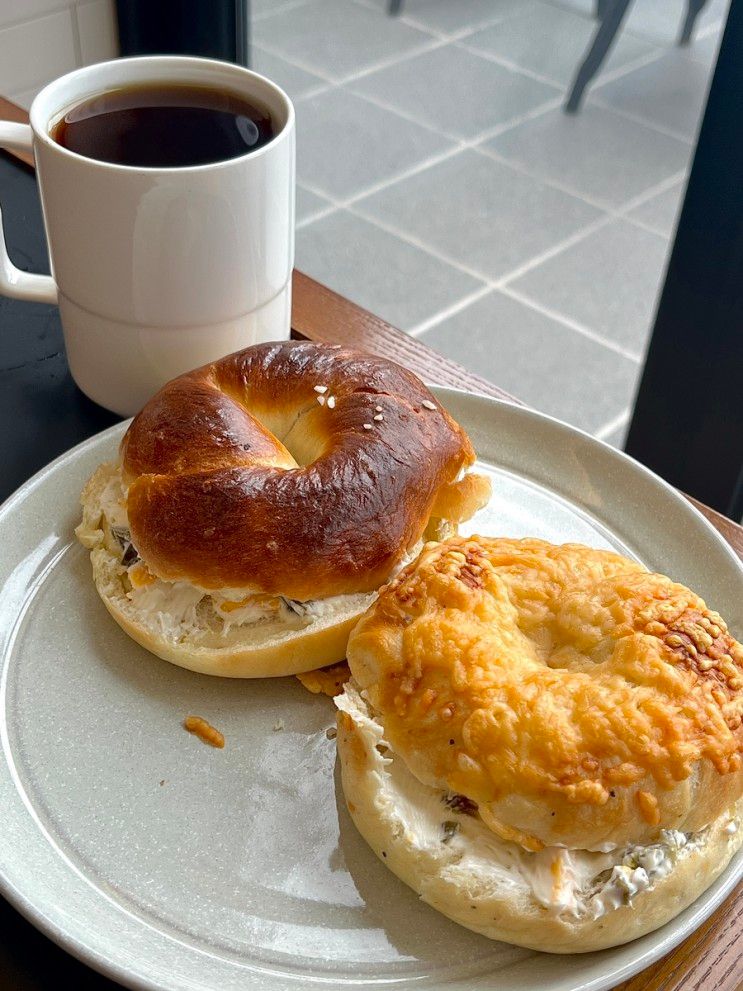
(442, 186)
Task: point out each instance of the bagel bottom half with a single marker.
(556, 900)
(193, 629)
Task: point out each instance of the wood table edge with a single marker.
(320, 314)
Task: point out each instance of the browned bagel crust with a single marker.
(215, 498)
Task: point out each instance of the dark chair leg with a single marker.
(600, 10)
(693, 10)
(394, 7)
(614, 11)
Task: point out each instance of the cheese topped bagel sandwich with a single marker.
(544, 741)
(260, 501)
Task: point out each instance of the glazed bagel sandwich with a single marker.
(544, 741)
(259, 502)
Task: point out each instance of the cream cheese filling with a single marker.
(574, 883)
(178, 608)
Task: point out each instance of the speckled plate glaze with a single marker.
(166, 864)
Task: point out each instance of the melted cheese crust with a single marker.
(579, 699)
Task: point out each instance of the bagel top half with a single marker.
(303, 469)
(577, 699)
(259, 502)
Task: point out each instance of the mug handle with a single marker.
(13, 281)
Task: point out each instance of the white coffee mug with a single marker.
(155, 270)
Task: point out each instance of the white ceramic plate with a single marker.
(166, 864)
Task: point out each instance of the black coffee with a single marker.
(164, 126)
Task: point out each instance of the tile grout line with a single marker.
(312, 188)
(523, 170)
(320, 215)
(284, 8)
(644, 226)
(704, 33)
(416, 243)
(604, 205)
(270, 49)
(623, 70)
(555, 249)
(645, 197)
(349, 205)
(401, 18)
(318, 90)
(605, 77)
(460, 145)
(324, 82)
(383, 105)
(430, 46)
(647, 194)
(433, 321)
(541, 109)
(505, 63)
(439, 41)
(579, 328)
(671, 45)
(449, 311)
(39, 82)
(617, 212)
(614, 424)
(408, 173)
(595, 96)
(413, 22)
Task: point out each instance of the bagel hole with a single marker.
(275, 420)
(294, 431)
(303, 441)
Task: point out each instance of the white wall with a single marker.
(43, 39)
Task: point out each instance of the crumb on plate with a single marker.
(204, 730)
(326, 681)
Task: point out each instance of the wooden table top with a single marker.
(711, 958)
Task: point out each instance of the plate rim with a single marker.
(68, 939)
